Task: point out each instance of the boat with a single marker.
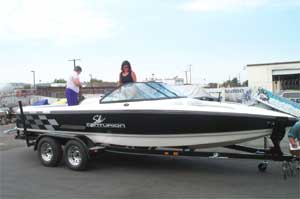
(152, 114)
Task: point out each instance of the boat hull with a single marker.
(201, 140)
(154, 128)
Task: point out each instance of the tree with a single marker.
(232, 83)
(235, 82)
(245, 83)
(94, 80)
(27, 86)
(212, 85)
(59, 81)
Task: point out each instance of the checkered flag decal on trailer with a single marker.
(41, 122)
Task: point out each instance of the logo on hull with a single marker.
(99, 123)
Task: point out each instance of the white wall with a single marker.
(261, 75)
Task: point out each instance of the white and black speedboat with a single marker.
(152, 114)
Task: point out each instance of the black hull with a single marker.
(149, 123)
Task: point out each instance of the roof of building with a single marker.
(274, 63)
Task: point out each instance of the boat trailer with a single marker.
(290, 163)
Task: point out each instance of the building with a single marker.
(174, 81)
(171, 81)
(275, 77)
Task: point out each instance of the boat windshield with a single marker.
(141, 91)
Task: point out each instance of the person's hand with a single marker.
(294, 145)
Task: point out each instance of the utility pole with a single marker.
(92, 83)
(74, 61)
(189, 70)
(186, 78)
(190, 73)
(33, 73)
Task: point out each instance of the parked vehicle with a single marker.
(293, 95)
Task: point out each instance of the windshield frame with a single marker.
(138, 100)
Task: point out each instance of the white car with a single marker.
(293, 95)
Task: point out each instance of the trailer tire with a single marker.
(262, 167)
(49, 151)
(76, 155)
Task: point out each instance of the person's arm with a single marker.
(77, 82)
(293, 142)
(119, 82)
(293, 134)
(133, 76)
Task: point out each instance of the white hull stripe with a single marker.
(204, 139)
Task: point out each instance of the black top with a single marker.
(126, 79)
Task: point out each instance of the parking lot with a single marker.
(133, 176)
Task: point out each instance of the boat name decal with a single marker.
(99, 123)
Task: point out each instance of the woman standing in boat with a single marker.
(126, 75)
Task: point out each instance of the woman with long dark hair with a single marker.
(126, 74)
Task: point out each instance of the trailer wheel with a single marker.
(262, 167)
(76, 156)
(49, 151)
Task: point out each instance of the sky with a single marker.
(161, 37)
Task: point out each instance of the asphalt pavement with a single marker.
(133, 176)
